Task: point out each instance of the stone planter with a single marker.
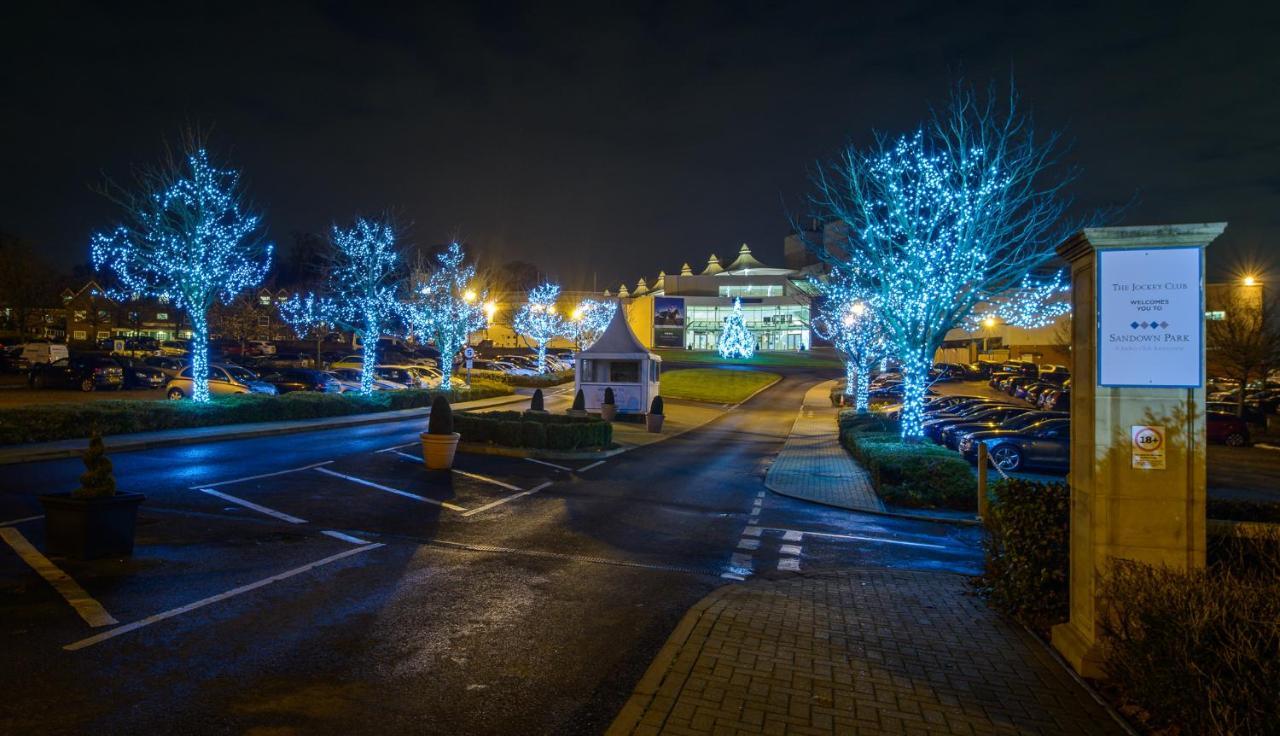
(608, 412)
(438, 450)
(653, 422)
(89, 528)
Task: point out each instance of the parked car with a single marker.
(1055, 399)
(221, 383)
(1251, 413)
(167, 365)
(1031, 391)
(11, 360)
(1228, 429)
(948, 372)
(992, 418)
(44, 352)
(1011, 385)
(1045, 445)
(138, 374)
(85, 372)
(1054, 373)
(175, 348)
(349, 380)
(967, 441)
(288, 380)
(350, 361)
(248, 378)
(259, 347)
(934, 424)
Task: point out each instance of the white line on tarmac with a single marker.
(15, 522)
(487, 479)
(789, 549)
(251, 505)
(549, 465)
(789, 563)
(256, 477)
(416, 458)
(585, 468)
(398, 447)
(501, 501)
(396, 491)
(344, 537)
(856, 538)
(89, 609)
(216, 598)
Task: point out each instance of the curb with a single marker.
(890, 514)
(1052, 654)
(476, 448)
(628, 719)
(245, 432)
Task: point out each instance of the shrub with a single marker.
(536, 403)
(544, 380)
(1198, 650)
(1026, 546)
(579, 401)
(608, 395)
(913, 475)
(441, 419)
(655, 406)
(537, 431)
(1232, 510)
(97, 480)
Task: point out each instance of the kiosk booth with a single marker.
(618, 361)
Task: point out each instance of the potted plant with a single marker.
(439, 442)
(608, 409)
(94, 520)
(536, 404)
(579, 408)
(653, 421)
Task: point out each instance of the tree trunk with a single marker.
(199, 356)
(915, 384)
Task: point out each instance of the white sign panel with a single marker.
(1150, 318)
(1147, 448)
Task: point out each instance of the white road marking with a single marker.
(344, 537)
(501, 501)
(758, 502)
(585, 468)
(740, 560)
(752, 531)
(21, 521)
(416, 458)
(793, 536)
(746, 543)
(396, 491)
(549, 465)
(397, 447)
(251, 505)
(89, 609)
(755, 511)
(215, 598)
(256, 477)
(487, 479)
(731, 576)
(789, 549)
(789, 563)
(859, 538)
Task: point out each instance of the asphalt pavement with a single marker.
(324, 582)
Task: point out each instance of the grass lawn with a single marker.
(808, 359)
(716, 385)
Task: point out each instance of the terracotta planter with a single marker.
(653, 422)
(438, 450)
(608, 412)
(89, 528)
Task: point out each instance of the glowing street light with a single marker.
(490, 309)
(469, 296)
(1250, 280)
(989, 322)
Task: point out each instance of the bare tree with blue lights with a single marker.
(848, 317)
(938, 222)
(538, 321)
(191, 237)
(589, 320)
(445, 309)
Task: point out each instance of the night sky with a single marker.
(592, 140)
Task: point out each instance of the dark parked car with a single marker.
(968, 440)
(302, 379)
(1031, 391)
(1054, 373)
(934, 424)
(948, 372)
(1228, 429)
(986, 419)
(1055, 399)
(85, 372)
(138, 374)
(1011, 385)
(1252, 414)
(1045, 445)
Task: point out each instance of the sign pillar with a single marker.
(1137, 474)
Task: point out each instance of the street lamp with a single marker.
(1249, 280)
(470, 296)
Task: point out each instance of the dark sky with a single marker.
(592, 139)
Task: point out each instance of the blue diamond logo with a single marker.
(1134, 325)
(1164, 325)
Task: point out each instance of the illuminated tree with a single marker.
(189, 236)
(310, 317)
(942, 220)
(446, 309)
(538, 321)
(847, 317)
(736, 341)
(589, 320)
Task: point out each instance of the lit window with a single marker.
(79, 335)
(1215, 315)
(162, 315)
(264, 300)
(103, 334)
(79, 315)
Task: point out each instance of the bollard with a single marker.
(982, 480)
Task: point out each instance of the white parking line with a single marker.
(487, 479)
(256, 477)
(792, 550)
(344, 537)
(501, 501)
(789, 563)
(251, 505)
(854, 537)
(585, 468)
(214, 599)
(89, 609)
(416, 458)
(15, 522)
(398, 447)
(396, 491)
(549, 465)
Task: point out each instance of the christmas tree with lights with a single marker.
(736, 341)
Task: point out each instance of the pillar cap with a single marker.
(1198, 234)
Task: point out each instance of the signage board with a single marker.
(1150, 318)
(668, 322)
(1147, 446)
(469, 353)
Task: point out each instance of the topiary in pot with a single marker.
(608, 408)
(579, 408)
(439, 442)
(93, 520)
(536, 403)
(653, 422)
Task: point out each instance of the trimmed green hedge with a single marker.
(554, 378)
(1026, 546)
(42, 423)
(534, 430)
(913, 475)
(1232, 510)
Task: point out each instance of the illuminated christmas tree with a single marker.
(736, 341)
(446, 309)
(190, 238)
(588, 321)
(538, 321)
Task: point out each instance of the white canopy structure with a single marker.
(618, 361)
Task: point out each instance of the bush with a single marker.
(656, 406)
(46, 422)
(536, 431)
(1026, 546)
(912, 475)
(1232, 510)
(553, 378)
(1199, 650)
(441, 419)
(97, 481)
(536, 403)
(608, 395)
(579, 401)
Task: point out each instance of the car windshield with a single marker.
(240, 374)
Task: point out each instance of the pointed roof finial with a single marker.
(685, 270)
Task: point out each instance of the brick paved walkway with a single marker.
(813, 466)
(855, 652)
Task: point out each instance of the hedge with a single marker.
(905, 474)
(534, 430)
(42, 423)
(1026, 546)
(554, 378)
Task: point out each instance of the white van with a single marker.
(44, 352)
